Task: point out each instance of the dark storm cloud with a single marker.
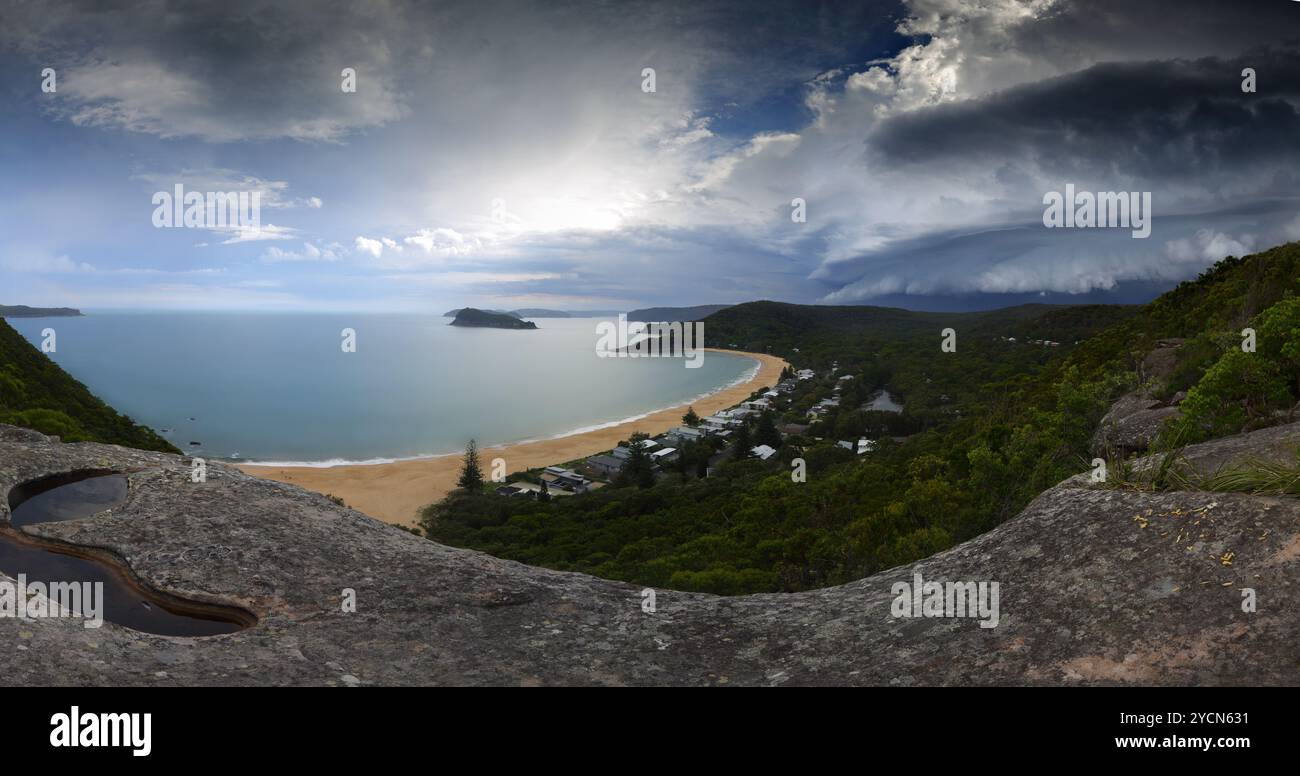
(1148, 120)
(1028, 258)
(241, 70)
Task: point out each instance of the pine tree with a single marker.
(637, 469)
(471, 476)
(690, 418)
(742, 443)
(766, 433)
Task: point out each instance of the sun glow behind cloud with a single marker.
(511, 147)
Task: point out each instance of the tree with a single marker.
(685, 453)
(742, 443)
(766, 433)
(637, 469)
(690, 418)
(471, 476)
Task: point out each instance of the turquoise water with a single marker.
(278, 387)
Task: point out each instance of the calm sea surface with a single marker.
(278, 387)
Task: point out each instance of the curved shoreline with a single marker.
(745, 379)
(395, 492)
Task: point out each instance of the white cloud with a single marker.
(1207, 246)
(442, 242)
(40, 264)
(309, 252)
(264, 232)
(367, 245)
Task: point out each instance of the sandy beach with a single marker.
(395, 492)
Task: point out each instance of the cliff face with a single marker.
(1096, 587)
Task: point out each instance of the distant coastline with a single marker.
(23, 311)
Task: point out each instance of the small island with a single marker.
(483, 319)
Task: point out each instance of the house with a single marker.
(560, 477)
(863, 446)
(805, 374)
(785, 386)
(843, 378)
(604, 465)
(790, 429)
(735, 416)
(684, 434)
(664, 455)
(763, 452)
(519, 490)
(758, 404)
(772, 394)
(622, 452)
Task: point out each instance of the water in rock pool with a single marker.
(124, 602)
(79, 498)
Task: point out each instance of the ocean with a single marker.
(278, 387)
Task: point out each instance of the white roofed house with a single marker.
(664, 455)
(714, 426)
(734, 416)
(758, 404)
(763, 452)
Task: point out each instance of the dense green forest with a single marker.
(984, 429)
(36, 393)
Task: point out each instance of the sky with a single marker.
(510, 154)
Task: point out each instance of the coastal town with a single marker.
(759, 428)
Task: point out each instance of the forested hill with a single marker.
(984, 429)
(816, 335)
(36, 393)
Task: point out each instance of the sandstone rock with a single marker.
(1097, 587)
(1130, 425)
